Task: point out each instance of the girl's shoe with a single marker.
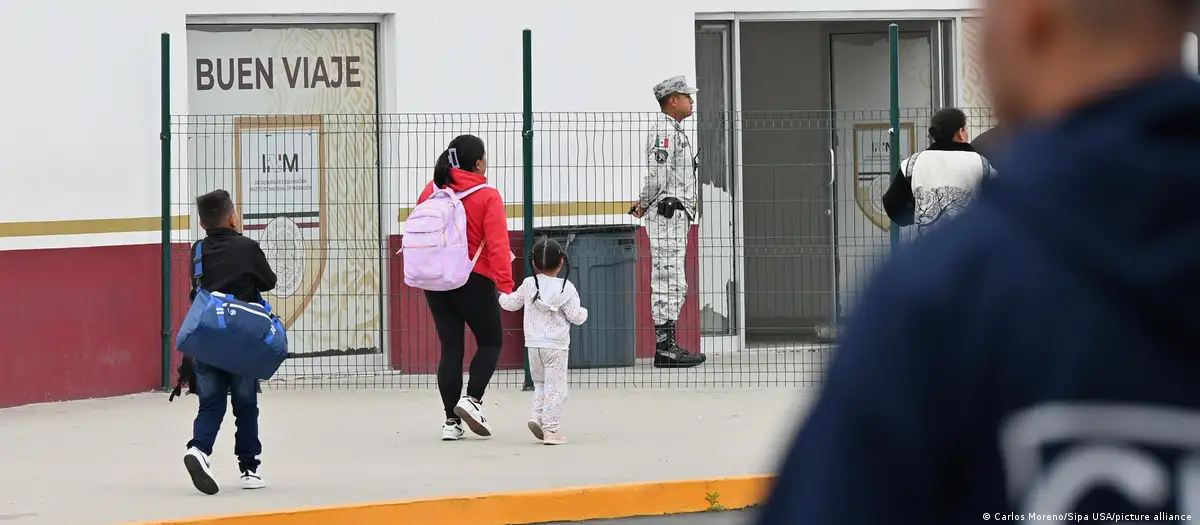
(554, 438)
(536, 428)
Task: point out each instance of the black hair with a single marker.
(214, 208)
(945, 125)
(464, 152)
(548, 255)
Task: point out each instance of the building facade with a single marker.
(353, 97)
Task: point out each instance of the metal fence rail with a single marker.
(790, 229)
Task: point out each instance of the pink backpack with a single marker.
(434, 245)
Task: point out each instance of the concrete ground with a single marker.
(703, 518)
(117, 460)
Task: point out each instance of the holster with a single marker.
(668, 206)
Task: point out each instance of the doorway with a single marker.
(813, 96)
(718, 290)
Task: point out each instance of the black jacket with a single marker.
(234, 264)
(989, 143)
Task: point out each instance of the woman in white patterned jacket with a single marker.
(938, 183)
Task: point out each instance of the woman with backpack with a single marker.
(938, 183)
(461, 267)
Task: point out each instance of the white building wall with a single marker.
(79, 136)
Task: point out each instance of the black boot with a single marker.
(668, 353)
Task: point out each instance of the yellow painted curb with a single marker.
(522, 508)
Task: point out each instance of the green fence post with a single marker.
(164, 139)
(527, 165)
(894, 131)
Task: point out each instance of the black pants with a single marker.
(474, 305)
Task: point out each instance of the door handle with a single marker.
(832, 167)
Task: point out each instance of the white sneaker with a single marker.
(554, 438)
(536, 428)
(251, 481)
(472, 414)
(452, 430)
(200, 470)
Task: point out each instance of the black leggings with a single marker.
(474, 305)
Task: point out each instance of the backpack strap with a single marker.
(187, 369)
(987, 166)
(462, 195)
(197, 268)
(911, 162)
(478, 252)
(197, 264)
(474, 259)
(187, 377)
(466, 193)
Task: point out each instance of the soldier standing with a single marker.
(668, 202)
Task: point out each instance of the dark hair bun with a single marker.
(945, 125)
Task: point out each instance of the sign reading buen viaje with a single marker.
(284, 118)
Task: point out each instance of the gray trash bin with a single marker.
(603, 264)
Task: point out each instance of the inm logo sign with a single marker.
(280, 162)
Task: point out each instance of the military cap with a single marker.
(671, 86)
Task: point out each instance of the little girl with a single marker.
(551, 306)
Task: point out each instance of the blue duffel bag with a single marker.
(242, 338)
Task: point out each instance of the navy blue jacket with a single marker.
(1040, 353)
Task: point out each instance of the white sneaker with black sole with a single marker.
(452, 430)
(200, 470)
(251, 480)
(471, 413)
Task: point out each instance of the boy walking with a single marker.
(233, 264)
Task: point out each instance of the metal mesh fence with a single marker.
(789, 230)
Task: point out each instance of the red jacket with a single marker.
(486, 219)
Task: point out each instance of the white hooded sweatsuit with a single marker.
(548, 320)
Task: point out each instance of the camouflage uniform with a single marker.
(671, 175)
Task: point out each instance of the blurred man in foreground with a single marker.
(1039, 355)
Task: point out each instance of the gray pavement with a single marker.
(117, 460)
